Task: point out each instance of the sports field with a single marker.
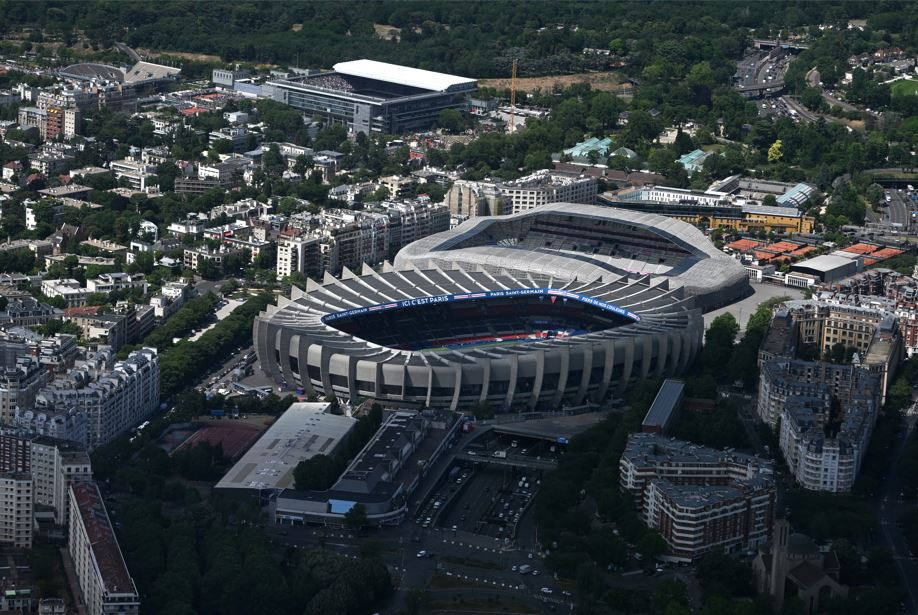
(904, 87)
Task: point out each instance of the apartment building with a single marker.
(110, 282)
(101, 571)
(826, 413)
(694, 520)
(816, 326)
(193, 258)
(135, 172)
(113, 400)
(543, 187)
(16, 509)
(55, 465)
(68, 289)
(19, 386)
(349, 239)
(699, 499)
(490, 198)
(15, 452)
(61, 423)
(302, 254)
(412, 220)
(353, 238)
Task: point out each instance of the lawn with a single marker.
(904, 87)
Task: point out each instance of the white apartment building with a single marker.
(543, 187)
(56, 464)
(826, 413)
(194, 257)
(113, 402)
(69, 289)
(58, 423)
(19, 384)
(192, 226)
(663, 194)
(109, 282)
(16, 510)
(492, 198)
(103, 576)
(136, 173)
(412, 220)
(299, 254)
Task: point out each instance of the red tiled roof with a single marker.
(86, 310)
(193, 111)
(104, 544)
(871, 261)
(764, 256)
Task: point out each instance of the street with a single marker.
(888, 511)
(898, 208)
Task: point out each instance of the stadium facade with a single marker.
(369, 96)
(562, 304)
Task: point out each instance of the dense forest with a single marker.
(479, 39)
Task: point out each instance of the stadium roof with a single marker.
(143, 71)
(403, 75)
(302, 432)
(704, 271)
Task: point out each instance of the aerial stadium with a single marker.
(370, 96)
(562, 304)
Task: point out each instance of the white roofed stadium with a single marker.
(561, 304)
(370, 96)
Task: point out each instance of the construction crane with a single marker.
(513, 97)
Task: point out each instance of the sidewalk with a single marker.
(73, 582)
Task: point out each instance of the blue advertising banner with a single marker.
(494, 294)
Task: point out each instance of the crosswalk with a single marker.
(471, 546)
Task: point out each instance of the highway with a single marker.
(889, 510)
(898, 209)
(813, 78)
(802, 112)
(514, 461)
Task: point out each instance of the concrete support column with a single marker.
(607, 367)
(585, 376)
(539, 377)
(514, 371)
(565, 355)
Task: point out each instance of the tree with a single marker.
(481, 410)
(774, 152)
(208, 270)
(356, 517)
(450, 120)
(381, 194)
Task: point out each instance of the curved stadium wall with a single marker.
(517, 330)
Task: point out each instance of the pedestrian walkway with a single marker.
(73, 582)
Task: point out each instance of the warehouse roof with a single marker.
(824, 263)
(302, 432)
(403, 75)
